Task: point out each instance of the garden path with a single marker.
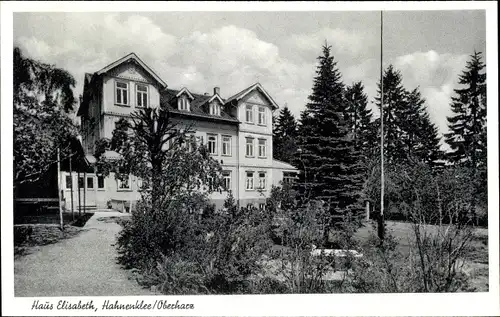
(84, 265)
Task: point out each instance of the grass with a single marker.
(476, 261)
(44, 229)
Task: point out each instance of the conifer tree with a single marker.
(285, 136)
(394, 114)
(467, 137)
(420, 135)
(332, 169)
(360, 118)
(409, 133)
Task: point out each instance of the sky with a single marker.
(233, 50)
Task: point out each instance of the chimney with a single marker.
(216, 91)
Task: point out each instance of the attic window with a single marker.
(214, 109)
(183, 103)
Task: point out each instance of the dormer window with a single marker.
(183, 103)
(214, 109)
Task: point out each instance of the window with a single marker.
(121, 93)
(262, 147)
(212, 144)
(262, 206)
(210, 182)
(191, 143)
(69, 182)
(183, 103)
(199, 140)
(100, 182)
(124, 183)
(90, 182)
(262, 116)
(262, 180)
(142, 96)
(289, 177)
(249, 147)
(226, 145)
(226, 175)
(214, 109)
(249, 181)
(81, 183)
(249, 114)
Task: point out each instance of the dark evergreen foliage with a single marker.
(285, 135)
(332, 170)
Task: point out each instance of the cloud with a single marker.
(437, 75)
(233, 57)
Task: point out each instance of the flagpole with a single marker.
(381, 218)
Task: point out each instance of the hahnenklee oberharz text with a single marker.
(108, 305)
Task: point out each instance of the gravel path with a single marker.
(81, 266)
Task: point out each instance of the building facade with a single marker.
(237, 132)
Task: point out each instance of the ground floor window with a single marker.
(69, 182)
(90, 182)
(100, 182)
(289, 177)
(124, 182)
(262, 206)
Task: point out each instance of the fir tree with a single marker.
(285, 136)
(409, 134)
(332, 169)
(419, 134)
(394, 114)
(360, 118)
(467, 137)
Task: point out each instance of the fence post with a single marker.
(59, 188)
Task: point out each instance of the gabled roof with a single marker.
(168, 100)
(136, 59)
(214, 97)
(246, 91)
(185, 90)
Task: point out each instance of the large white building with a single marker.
(237, 131)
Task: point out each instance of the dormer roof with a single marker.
(184, 90)
(216, 96)
(244, 92)
(132, 57)
(197, 110)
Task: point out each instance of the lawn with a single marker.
(476, 262)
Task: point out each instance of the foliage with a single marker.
(409, 133)
(285, 136)
(299, 226)
(467, 137)
(360, 120)
(332, 169)
(43, 98)
(438, 207)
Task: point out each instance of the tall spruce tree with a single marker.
(419, 134)
(360, 118)
(332, 169)
(285, 135)
(409, 134)
(394, 112)
(467, 137)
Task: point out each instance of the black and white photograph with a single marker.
(300, 154)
